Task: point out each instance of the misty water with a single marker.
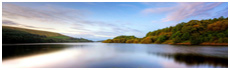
(113, 55)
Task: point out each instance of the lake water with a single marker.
(113, 55)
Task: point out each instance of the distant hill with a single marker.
(38, 32)
(195, 32)
(22, 35)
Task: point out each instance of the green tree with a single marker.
(176, 34)
(195, 31)
(177, 39)
(195, 40)
(220, 35)
(147, 40)
(161, 39)
(135, 41)
(130, 41)
(185, 36)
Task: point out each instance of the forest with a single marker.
(22, 35)
(194, 32)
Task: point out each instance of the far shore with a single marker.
(203, 44)
(209, 44)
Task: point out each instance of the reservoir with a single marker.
(112, 55)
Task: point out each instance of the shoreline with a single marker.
(203, 44)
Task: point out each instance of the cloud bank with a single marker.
(183, 10)
(78, 25)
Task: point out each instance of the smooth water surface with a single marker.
(113, 55)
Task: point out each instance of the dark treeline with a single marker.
(193, 32)
(10, 51)
(196, 59)
(21, 35)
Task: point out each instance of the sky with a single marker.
(106, 20)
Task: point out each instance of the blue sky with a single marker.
(104, 20)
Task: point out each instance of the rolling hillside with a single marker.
(22, 35)
(195, 32)
(38, 32)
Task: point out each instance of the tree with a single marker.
(176, 34)
(116, 41)
(218, 26)
(221, 18)
(108, 41)
(220, 40)
(185, 36)
(178, 27)
(194, 31)
(125, 37)
(135, 41)
(161, 39)
(147, 40)
(130, 41)
(220, 35)
(195, 40)
(177, 39)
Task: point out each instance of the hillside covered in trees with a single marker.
(195, 32)
(22, 35)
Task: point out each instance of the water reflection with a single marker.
(54, 59)
(11, 51)
(104, 55)
(196, 59)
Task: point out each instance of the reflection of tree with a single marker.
(21, 50)
(195, 59)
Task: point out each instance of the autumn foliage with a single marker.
(192, 32)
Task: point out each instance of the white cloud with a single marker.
(62, 20)
(43, 13)
(183, 10)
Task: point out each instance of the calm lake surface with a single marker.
(113, 55)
